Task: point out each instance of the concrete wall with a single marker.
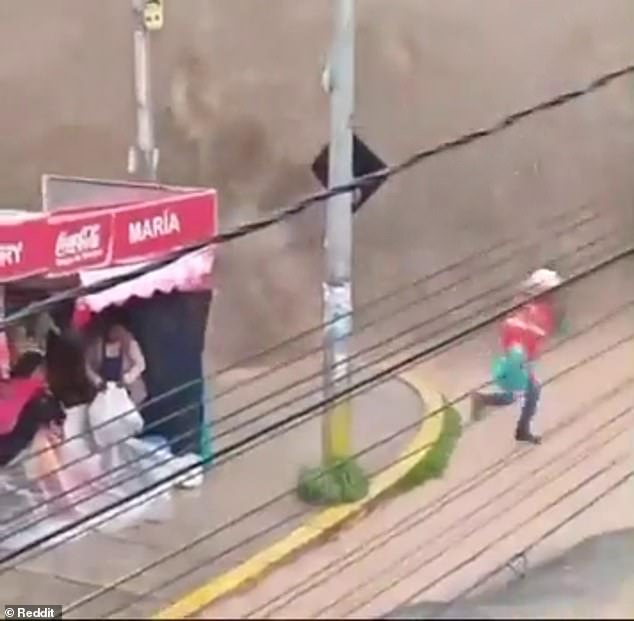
(239, 106)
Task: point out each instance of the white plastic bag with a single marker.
(76, 452)
(113, 416)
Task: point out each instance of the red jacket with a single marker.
(528, 327)
(14, 395)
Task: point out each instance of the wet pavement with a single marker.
(133, 572)
(592, 580)
(497, 498)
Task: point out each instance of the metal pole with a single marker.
(337, 289)
(144, 155)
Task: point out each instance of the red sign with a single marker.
(80, 241)
(71, 240)
(24, 249)
(160, 227)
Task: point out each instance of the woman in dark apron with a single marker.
(111, 369)
(117, 357)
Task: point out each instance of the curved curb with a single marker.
(323, 522)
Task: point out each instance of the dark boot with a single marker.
(527, 436)
(531, 398)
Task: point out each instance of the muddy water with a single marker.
(593, 580)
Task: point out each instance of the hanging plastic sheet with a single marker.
(55, 483)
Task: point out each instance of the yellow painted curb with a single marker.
(322, 523)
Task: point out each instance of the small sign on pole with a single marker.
(364, 162)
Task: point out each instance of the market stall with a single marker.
(91, 230)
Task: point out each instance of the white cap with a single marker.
(542, 280)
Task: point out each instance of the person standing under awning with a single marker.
(115, 356)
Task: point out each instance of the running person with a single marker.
(526, 329)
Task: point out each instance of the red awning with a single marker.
(75, 238)
(191, 272)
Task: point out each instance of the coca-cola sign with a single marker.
(73, 247)
(82, 241)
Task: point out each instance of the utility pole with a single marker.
(143, 156)
(337, 287)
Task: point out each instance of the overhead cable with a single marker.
(406, 559)
(269, 432)
(549, 533)
(173, 579)
(243, 230)
(362, 327)
(415, 518)
(282, 426)
(593, 476)
(359, 329)
(543, 226)
(227, 453)
(296, 383)
(290, 519)
(363, 352)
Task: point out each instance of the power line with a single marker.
(179, 474)
(246, 229)
(243, 230)
(508, 532)
(547, 223)
(217, 531)
(495, 305)
(543, 224)
(509, 121)
(390, 314)
(575, 225)
(256, 613)
(291, 402)
(543, 481)
(310, 412)
(420, 515)
(549, 533)
(273, 429)
(580, 222)
(184, 574)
